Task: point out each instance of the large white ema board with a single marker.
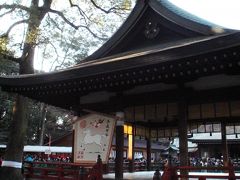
(93, 135)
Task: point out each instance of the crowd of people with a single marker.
(193, 161)
(213, 162)
(204, 162)
(47, 158)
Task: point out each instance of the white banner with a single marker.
(13, 164)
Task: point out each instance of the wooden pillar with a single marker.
(73, 139)
(224, 144)
(149, 150)
(119, 146)
(182, 129)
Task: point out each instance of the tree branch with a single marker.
(8, 12)
(83, 14)
(54, 22)
(14, 6)
(45, 8)
(94, 34)
(56, 59)
(64, 18)
(76, 26)
(65, 56)
(13, 25)
(110, 10)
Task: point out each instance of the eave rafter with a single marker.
(170, 72)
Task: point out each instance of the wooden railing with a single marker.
(62, 171)
(138, 166)
(73, 171)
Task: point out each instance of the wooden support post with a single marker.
(82, 173)
(182, 129)
(231, 172)
(119, 146)
(60, 171)
(73, 139)
(224, 144)
(149, 150)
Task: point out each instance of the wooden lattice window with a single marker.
(172, 111)
(129, 114)
(140, 131)
(161, 133)
(161, 112)
(194, 112)
(235, 108)
(222, 109)
(154, 133)
(208, 111)
(150, 112)
(139, 113)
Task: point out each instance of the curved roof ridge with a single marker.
(186, 19)
(186, 14)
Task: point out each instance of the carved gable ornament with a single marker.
(151, 29)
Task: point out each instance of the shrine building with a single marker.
(165, 73)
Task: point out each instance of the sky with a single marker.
(225, 13)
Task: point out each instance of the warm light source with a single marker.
(125, 129)
(130, 146)
(128, 129)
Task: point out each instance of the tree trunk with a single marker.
(15, 145)
(14, 152)
(11, 169)
(43, 117)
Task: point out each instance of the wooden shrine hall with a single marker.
(167, 72)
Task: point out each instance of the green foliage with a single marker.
(3, 44)
(34, 122)
(58, 123)
(32, 36)
(127, 4)
(8, 67)
(54, 127)
(5, 116)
